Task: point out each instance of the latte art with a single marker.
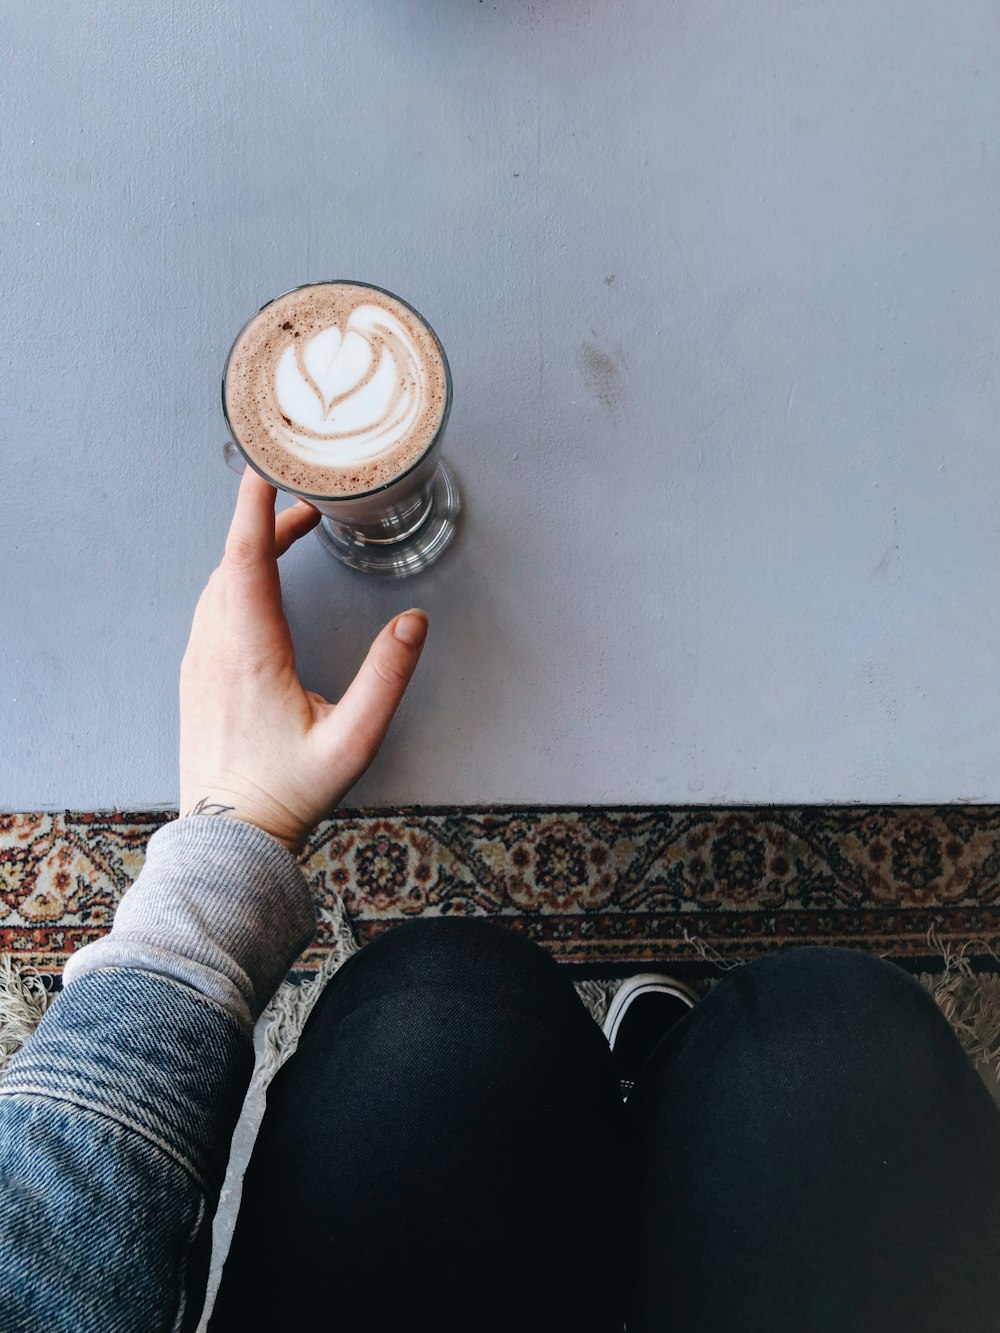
(335, 389)
(345, 396)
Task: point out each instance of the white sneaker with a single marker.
(642, 1009)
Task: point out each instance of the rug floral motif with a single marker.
(602, 889)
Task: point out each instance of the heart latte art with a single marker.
(336, 388)
(359, 388)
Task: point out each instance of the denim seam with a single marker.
(182, 1305)
(122, 1122)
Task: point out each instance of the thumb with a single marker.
(370, 701)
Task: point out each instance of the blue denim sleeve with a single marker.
(116, 1116)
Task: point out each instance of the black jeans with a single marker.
(808, 1149)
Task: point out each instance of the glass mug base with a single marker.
(409, 554)
(397, 557)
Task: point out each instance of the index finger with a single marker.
(251, 533)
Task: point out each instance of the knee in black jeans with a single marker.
(467, 951)
(448, 1134)
(801, 1137)
(798, 1001)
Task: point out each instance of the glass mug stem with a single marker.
(401, 522)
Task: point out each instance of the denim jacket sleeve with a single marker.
(116, 1115)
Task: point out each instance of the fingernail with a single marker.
(411, 627)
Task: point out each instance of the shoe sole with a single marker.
(640, 984)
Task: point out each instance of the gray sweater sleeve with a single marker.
(219, 905)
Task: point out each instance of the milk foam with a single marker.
(335, 388)
(347, 395)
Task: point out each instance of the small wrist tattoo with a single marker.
(207, 807)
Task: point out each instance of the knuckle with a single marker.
(390, 674)
(240, 553)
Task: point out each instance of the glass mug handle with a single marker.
(234, 458)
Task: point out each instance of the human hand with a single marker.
(255, 745)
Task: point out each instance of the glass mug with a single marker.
(396, 529)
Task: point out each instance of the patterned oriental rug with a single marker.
(604, 890)
(693, 890)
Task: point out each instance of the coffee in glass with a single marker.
(339, 392)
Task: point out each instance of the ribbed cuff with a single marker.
(219, 905)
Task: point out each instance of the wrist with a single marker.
(227, 805)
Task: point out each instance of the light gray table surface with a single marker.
(719, 283)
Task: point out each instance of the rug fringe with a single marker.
(24, 998)
(970, 1001)
(596, 996)
(711, 955)
(280, 1025)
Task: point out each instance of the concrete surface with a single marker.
(719, 285)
